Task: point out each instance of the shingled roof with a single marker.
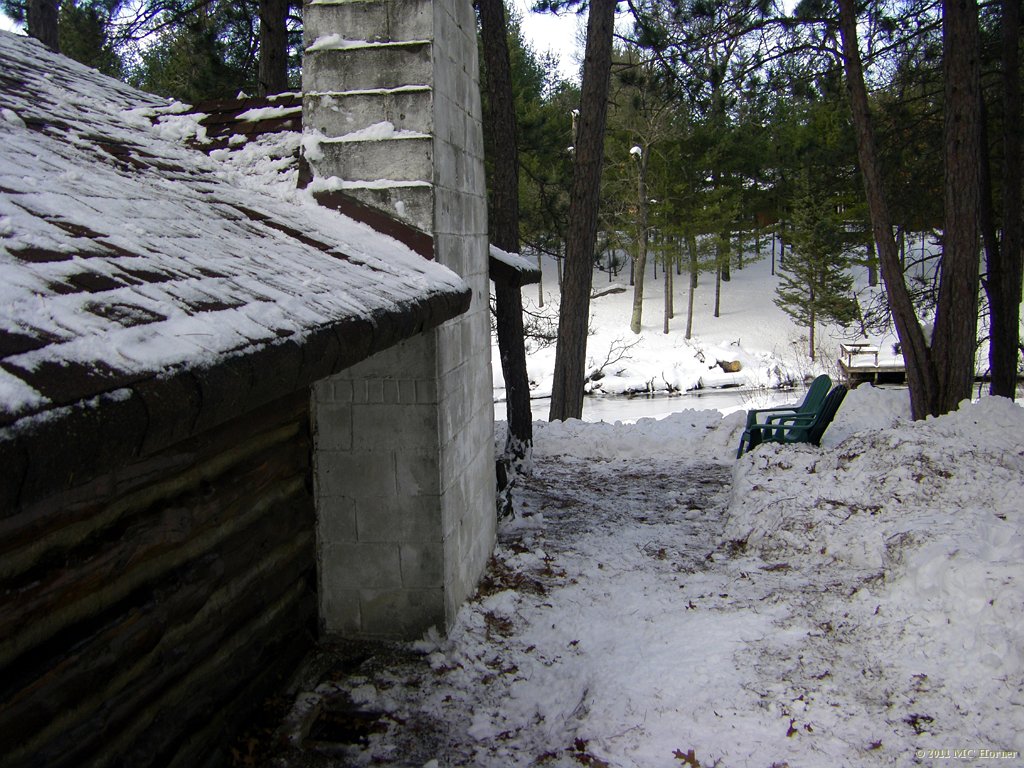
(147, 292)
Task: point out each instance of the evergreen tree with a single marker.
(85, 35)
(574, 312)
(503, 219)
(814, 285)
(207, 54)
(188, 64)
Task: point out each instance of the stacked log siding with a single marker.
(137, 609)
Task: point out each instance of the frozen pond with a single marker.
(612, 408)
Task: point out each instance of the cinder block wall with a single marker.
(404, 441)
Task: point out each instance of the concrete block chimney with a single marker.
(404, 441)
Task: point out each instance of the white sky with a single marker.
(548, 32)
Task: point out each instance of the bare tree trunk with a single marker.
(1006, 261)
(668, 297)
(725, 268)
(917, 357)
(671, 283)
(723, 254)
(504, 224)
(636, 320)
(718, 290)
(273, 64)
(43, 22)
(691, 242)
(812, 324)
(571, 349)
(540, 283)
(956, 316)
(872, 263)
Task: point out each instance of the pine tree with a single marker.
(574, 311)
(814, 285)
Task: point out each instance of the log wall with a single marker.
(143, 613)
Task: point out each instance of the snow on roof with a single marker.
(512, 267)
(125, 255)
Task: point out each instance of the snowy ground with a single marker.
(656, 603)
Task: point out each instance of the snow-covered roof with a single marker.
(233, 122)
(128, 258)
(512, 267)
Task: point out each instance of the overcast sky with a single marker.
(548, 32)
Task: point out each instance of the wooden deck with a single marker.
(858, 373)
(859, 363)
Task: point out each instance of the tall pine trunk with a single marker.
(636, 320)
(574, 312)
(540, 283)
(718, 290)
(917, 357)
(812, 322)
(723, 254)
(504, 226)
(1006, 259)
(956, 316)
(872, 263)
(42, 20)
(691, 245)
(668, 296)
(273, 63)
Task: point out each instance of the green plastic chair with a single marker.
(797, 427)
(812, 402)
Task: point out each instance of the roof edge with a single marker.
(55, 451)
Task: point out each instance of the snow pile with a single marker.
(688, 434)
(866, 408)
(382, 131)
(923, 524)
(265, 164)
(269, 113)
(861, 501)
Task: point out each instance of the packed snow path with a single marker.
(598, 557)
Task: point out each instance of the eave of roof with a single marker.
(512, 268)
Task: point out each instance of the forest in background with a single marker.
(728, 126)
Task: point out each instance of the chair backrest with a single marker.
(816, 394)
(828, 411)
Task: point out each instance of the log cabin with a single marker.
(234, 421)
